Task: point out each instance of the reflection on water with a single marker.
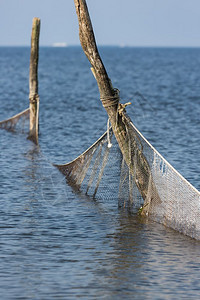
(59, 244)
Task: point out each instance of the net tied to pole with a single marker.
(145, 181)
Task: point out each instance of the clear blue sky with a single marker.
(116, 22)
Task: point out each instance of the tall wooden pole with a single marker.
(33, 82)
(110, 100)
(108, 94)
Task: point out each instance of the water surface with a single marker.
(57, 244)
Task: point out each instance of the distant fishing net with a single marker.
(140, 179)
(18, 122)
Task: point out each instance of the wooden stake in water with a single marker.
(110, 99)
(33, 82)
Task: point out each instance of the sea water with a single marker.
(57, 244)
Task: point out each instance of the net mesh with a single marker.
(171, 199)
(143, 180)
(18, 122)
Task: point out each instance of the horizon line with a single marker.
(106, 45)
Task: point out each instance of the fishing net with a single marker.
(18, 122)
(140, 179)
(86, 171)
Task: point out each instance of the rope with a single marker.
(108, 134)
(109, 101)
(34, 98)
(113, 100)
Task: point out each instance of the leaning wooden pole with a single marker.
(33, 82)
(108, 95)
(111, 102)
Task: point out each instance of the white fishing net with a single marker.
(171, 199)
(145, 181)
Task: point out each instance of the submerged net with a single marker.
(17, 123)
(145, 181)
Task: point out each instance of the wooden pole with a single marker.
(110, 100)
(33, 82)
(106, 89)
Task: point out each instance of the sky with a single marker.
(116, 22)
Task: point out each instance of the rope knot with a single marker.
(121, 107)
(34, 98)
(113, 100)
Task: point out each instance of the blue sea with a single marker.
(57, 244)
